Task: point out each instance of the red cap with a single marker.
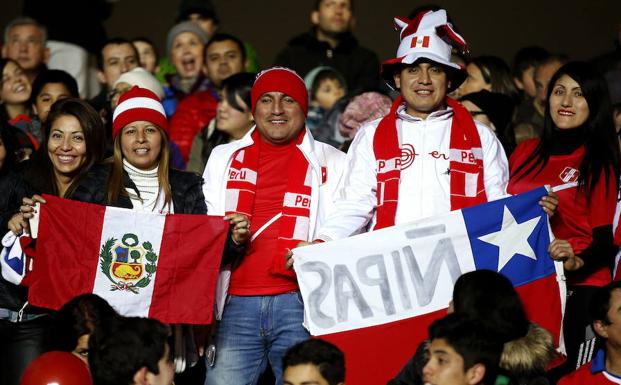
(138, 104)
(280, 79)
(60, 368)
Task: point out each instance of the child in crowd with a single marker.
(147, 53)
(325, 87)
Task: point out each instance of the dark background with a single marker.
(578, 28)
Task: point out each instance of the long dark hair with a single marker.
(116, 186)
(10, 146)
(496, 73)
(598, 132)
(80, 316)
(42, 171)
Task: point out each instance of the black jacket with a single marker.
(187, 193)
(187, 197)
(358, 65)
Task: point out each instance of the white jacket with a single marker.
(424, 188)
(321, 156)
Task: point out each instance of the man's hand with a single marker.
(561, 250)
(549, 203)
(289, 255)
(239, 227)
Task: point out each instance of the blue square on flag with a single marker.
(511, 236)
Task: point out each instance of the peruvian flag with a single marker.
(374, 295)
(144, 264)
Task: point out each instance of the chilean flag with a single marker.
(144, 264)
(374, 295)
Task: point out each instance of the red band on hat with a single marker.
(138, 104)
(280, 79)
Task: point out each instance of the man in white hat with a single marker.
(427, 156)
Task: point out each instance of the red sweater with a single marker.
(575, 217)
(252, 276)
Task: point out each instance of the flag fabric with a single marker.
(13, 261)
(374, 295)
(144, 264)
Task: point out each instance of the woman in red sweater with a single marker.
(578, 151)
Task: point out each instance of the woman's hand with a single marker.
(19, 222)
(561, 250)
(240, 227)
(27, 209)
(549, 203)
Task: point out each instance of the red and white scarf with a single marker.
(294, 223)
(465, 163)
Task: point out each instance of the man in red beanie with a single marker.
(284, 181)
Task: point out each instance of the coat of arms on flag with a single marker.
(144, 264)
(127, 263)
(383, 288)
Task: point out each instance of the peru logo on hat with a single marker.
(427, 36)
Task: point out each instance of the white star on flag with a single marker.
(512, 238)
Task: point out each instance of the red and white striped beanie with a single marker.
(138, 104)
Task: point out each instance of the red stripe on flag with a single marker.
(542, 302)
(187, 272)
(391, 345)
(385, 347)
(67, 251)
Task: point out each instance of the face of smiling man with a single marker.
(423, 86)
(279, 117)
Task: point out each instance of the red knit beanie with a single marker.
(138, 104)
(280, 79)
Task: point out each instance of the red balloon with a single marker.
(58, 368)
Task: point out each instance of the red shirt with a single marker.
(593, 373)
(252, 276)
(575, 217)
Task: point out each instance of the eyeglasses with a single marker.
(118, 92)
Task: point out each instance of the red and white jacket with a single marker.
(326, 163)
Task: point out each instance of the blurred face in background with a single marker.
(187, 55)
(117, 59)
(224, 59)
(333, 17)
(15, 85)
(50, 93)
(147, 55)
(474, 82)
(26, 46)
(328, 92)
(230, 119)
(543, 74)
